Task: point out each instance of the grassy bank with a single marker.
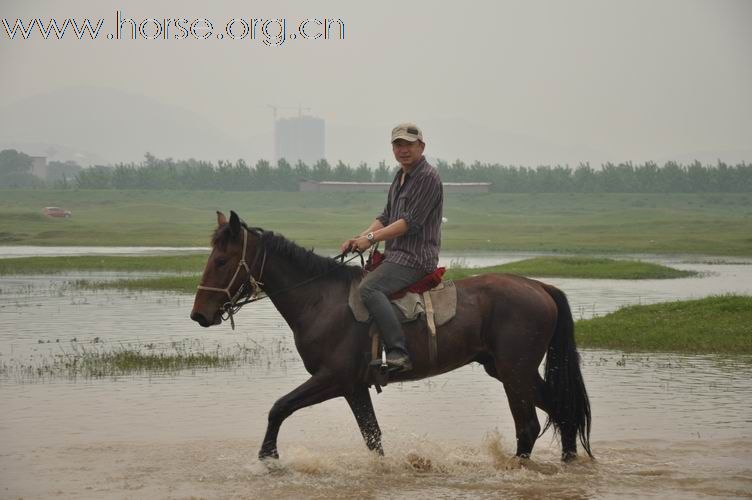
(716, 224)
(721, 324)
(177, 284)
(561, 267)
(51, 265)
(577, 267)
(96, 359)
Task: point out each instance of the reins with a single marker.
(251, 290)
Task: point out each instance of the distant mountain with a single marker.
(96, 125)
(102, 125)
(55, 152)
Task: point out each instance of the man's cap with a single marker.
(407, 131)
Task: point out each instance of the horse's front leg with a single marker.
(362, 408)
(315, 390)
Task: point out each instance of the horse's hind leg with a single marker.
(362, 408)
(313, 391)
(521, 396)
(522, 399)
(567, 432)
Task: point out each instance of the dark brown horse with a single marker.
(506, 323)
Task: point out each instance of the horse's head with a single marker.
(228, 272)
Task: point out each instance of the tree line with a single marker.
(155, 173)
(191, 174)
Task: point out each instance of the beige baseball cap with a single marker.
(407, 131)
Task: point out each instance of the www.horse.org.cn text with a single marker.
(270, 32)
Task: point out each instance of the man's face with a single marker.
(407, 153)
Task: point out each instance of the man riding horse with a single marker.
(504, 322)
(411, 227)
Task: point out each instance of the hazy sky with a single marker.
(503, 81)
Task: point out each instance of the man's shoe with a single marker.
(398, 362)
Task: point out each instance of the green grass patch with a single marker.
(554, 266)
(179, 284)
(711, 224)
(577, 267)
(562, 267)
(50, 265)
(719, 324)
(96, 359)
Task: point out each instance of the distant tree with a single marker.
(322, 171)
(612, 178)
(672, 178)
(443, 169)
(343, 172)
(479, 172)
(200, 175)
(584, 179)
(14, 162)
(699, 178)
(457, 172)
(285, 179)
(62, 174)
(123, 177)
(241, 176)
(156, 173)
(97, 177)
(224, 176)
(646, 178)
(302, 171)
(382, 173)
(744, 172)
(262, 176)
(150, 160)
(363, 173)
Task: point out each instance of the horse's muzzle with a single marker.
(204, 321)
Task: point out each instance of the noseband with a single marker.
(249, 289)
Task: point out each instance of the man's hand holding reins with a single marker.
(358, 244)
(381, 233)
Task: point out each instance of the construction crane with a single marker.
(275, 108)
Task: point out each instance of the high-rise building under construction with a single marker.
(299, 138)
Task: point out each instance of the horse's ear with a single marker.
(234, 223)
(221, 219)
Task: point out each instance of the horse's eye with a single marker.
(220, 261)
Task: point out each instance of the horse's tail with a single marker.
(565, 387)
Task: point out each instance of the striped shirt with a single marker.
(419, 201)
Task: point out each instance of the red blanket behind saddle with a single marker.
(423, 285)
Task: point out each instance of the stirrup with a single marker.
(379, 363)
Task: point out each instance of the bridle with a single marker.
(250, 289)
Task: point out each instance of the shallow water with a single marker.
(664, 425)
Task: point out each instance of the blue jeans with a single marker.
(374, 290)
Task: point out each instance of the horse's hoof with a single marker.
(514, 463)
(268, 455)
(376, 450)
(569, 456)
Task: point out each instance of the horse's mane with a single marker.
(303, 258)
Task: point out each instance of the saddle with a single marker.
(430, 300)
(437, 305)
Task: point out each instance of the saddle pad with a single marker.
(411, 306)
